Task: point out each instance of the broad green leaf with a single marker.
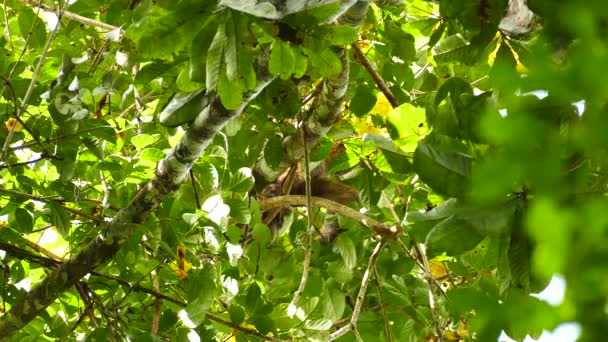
(453, 236)
(155, 70)
(241, 181)
(237, 314)
(22, 221)
(198, 50)
(201, 291)
(347, 250)
(446, 172)
(282, 59)
(143, 140)
(183, 108)
(401, 43)
(161, 33)
(32, 28)
(229, 92)
(363, 100)
(409, 122)
(338, 271)
(342, 35)
(322, 150)
(214, 57)
(60, 218)
(273, 151)
(239, 210)
(261, 233)
(231, 48)
(326, 63)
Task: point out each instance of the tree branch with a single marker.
(71, 16)
(361, 296)
(299, 200)
(375, 75)
(56, 200)
(170, 174)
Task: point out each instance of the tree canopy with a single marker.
(350, 170)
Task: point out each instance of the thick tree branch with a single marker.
(170, 174)
(380, 228)
(327, 106)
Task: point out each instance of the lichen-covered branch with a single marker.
(170, 173)
(326, 108)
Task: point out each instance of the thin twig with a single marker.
(29, 162)
(71, 16)
(426, 270)
(157, 303)
(196, 196)
(247, 331)
(9, 85)
(46, 141)
(387, 325)
(362, 292)
(375, 75)
(292, 308)
(54, 200)
(390, 232)
(134, 104)
(88, 306)
(7, 27)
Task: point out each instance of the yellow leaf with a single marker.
(13, 122)
(181, 266)
(382, 106)
(438, 269)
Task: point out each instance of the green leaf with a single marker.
(22, 221)
(401, 42)
(237, 314)
(198, 50)
(273, 151)
(282, 59)
(241, 181)
(253, 297)
(214, 57)
(446, 172)
(59, 218)
(239, 210)
(201, 292)
(143, 140)
(32, 26)
(342, 35)
(347, 250)
(339, 272)
(453, 236)
(409, 122)
(363, 101)
(229, 92)
(162, 33)
(261, 233)
(155, 70)
(322, 150)
(230, 49)
(326, 63)
(183, 108)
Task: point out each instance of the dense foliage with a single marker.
(302, 170)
